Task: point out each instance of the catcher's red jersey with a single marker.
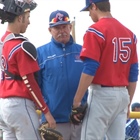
(114, 53)
(16, 61)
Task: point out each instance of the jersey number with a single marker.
(121, 49)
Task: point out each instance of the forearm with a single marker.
(133, 78)
(131, 89)
(84, 83)
(35, 92)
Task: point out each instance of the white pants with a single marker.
(69, 131)
(18, 119)
(106, 113)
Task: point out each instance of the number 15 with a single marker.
(121, 49)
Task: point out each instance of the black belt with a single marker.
(112, 86)
(106, 86)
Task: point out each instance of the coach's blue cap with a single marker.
(89, 2)
(58, 17)
(135, 105)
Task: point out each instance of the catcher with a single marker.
(49, 133)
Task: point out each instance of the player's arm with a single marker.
(37, 97)
(27, 54)
(133, 78)
(35, 92)
(89, 70)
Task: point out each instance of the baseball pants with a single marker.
(106, 113)
(18, 119)
(69, 131)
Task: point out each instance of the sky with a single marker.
(126, 11)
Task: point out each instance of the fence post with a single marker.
(1, 134)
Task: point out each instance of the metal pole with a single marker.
(73, 30)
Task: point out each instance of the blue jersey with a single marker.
(59, 75)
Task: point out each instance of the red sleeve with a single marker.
(35, 92)
(91, 44)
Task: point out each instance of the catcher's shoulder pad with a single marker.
(30, 49)
(12, 36)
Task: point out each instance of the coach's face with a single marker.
(61, 33)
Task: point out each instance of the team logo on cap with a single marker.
(59, 17)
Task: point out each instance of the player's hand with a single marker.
(51, 121)
(128, 113)
(77, 116)
(78, 113)
(76, 104)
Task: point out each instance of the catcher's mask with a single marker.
(12, 8)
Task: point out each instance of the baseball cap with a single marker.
(134, 105)
(89, 2)
(58, 17)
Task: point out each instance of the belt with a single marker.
(111, 86)
(106, 86)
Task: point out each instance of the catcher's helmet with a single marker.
(13, 8)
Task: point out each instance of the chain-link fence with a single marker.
(133, 128)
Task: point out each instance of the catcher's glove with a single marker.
(49, 133)
(129, 138)
(80, 111)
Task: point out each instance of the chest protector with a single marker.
(26, 46)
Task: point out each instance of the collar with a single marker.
(58, 44)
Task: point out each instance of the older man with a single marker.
(60, 71)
